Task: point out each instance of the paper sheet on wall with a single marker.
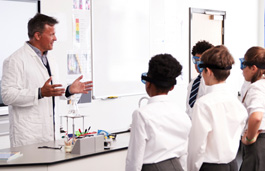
(79, 58)
(78, 64)
(81, 25)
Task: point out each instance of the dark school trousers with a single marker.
(254, 155)
(166, 165)
(232, 166)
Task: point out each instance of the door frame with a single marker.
(207, 12)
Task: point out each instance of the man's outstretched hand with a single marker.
(49, 90)
(80, 87)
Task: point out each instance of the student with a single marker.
(253, 139)
(159, 131)
(218, 117)
(196, 86)
(28, 86)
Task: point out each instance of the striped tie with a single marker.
(194, 90)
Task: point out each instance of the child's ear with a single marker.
(254, 68)
(147, 84)
(209, 72)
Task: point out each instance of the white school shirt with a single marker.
(244, 89)
(217, 124)
(201, 92)
(159, 132)
(255, 100)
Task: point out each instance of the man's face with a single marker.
(47, 37)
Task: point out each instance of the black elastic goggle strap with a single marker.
(161, 83)
(214, 66)
(252, 63)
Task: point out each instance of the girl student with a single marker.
(253, 139)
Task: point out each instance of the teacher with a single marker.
(28, 86)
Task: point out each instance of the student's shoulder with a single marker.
(257, 86)
(204, 98)
(256, 90)
(141, 111)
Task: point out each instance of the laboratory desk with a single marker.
(35, 159)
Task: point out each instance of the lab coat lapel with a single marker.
(38, 62)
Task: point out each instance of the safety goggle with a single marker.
(163, 83)
(195, 59)
(200, 69)
(242, 63)
(145, 78)
(201, 65)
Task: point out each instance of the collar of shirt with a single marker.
(158, 98)
(38, 52)
(215, 87)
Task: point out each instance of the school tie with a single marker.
(194, 90)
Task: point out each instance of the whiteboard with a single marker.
(120, 46)
(14, 16)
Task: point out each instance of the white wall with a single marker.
(243, 29)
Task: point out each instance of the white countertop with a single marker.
(34, 156)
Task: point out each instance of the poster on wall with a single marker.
(79, 58)
(81, 4)
(81, 25)
(78, 64)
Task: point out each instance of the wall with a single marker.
(169, 34)
(168, 18)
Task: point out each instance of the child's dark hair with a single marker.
(200, 47)
(164, 68)
(220, 57)
(37, 23)
(256, 55)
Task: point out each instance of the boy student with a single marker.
(218, 117)
(253, 66)
(196, 86)
(159, 132)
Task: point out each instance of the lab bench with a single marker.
(35, 159)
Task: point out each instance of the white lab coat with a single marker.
(31, 119)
